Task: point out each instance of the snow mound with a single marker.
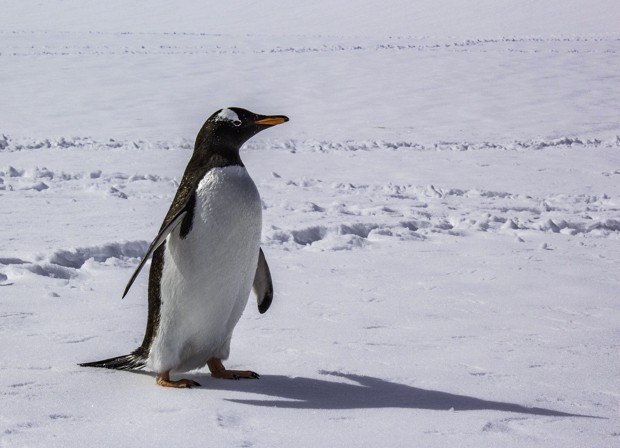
(65, 264)
(76, 258)
(342, 236)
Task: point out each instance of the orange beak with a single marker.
(272, 121)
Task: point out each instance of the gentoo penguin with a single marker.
(206, 258)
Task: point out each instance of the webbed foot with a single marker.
(163, 379)
(219, 371)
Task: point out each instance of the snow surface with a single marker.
(441, 219)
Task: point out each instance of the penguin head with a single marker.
(233, 126)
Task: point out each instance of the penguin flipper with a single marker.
(263, 286)
(159, 239)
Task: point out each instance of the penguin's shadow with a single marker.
(360, 392)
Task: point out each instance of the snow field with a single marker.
(420, 89)
(441, 219)
(453, 297)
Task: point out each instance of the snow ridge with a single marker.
(76, 258)
(42, 43)
(65, 263)
(9, 144)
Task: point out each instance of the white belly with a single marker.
(207, 276)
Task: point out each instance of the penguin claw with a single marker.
(235, 374)
(165, 381)
(219, 371)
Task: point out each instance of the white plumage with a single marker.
(207, 276)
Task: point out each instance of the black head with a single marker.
(230, 128)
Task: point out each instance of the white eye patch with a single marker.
(228, 115)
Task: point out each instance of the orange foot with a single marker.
(219, 371)
(163, 379)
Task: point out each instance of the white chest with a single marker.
(207, 276)
(227, 203)
(226, 223)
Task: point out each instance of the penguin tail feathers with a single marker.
(133, 361)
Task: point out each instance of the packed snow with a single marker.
(441, 217)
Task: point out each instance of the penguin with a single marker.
(205, 259)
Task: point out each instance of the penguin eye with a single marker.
(236, 123)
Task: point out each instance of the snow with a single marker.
(441, 217)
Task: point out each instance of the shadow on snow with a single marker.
(367, 393)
